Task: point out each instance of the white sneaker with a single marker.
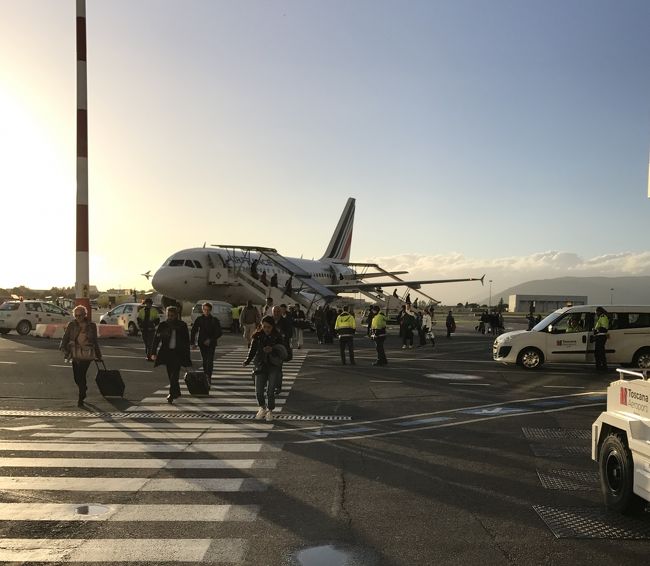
(269, 416)
(404, 347)
(260, 414)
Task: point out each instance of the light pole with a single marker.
(611, 296)
(490, 299)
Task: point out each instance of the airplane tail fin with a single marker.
(341, 242)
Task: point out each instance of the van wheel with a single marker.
(133, 329)
(616, 476)
(642, 359)
(530, 358)
(24, 327)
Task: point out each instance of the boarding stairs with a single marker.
(304, 289)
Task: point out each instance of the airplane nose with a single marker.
(159, 281)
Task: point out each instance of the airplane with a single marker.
(237, 273)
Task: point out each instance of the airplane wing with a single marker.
(371, 275)
(352, 286)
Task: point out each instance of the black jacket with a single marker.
(208, 328)
(256, 354)
(180, 355)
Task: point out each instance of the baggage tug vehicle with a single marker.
(620, 443)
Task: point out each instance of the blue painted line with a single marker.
(335, 431)
(489, 411)
(425, 421)
(551, 403)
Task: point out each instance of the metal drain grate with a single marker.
(182, 416)
(585, 522)
(569, 480)
(556, 433)
(550, 451)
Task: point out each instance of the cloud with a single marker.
(511, 270)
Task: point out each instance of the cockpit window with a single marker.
(198, 264)
(189, 263)
(176, 262)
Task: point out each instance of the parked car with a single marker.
(126, 315)
(220, 310)
(23, 316)
(566, 336)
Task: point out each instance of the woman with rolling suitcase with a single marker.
(80, 344)
(173, 338)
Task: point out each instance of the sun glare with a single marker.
(37, 188)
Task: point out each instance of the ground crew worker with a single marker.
(345, 327)
(148, 320)
(600, 337)
(378, 334)
(235, 319)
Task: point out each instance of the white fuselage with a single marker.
(186, 275)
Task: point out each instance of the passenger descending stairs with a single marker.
(156, 491)
(232, 388)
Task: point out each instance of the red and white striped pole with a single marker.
(82, 296)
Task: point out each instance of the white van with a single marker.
(566, 335)
(222, 311)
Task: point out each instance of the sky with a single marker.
(508, 137)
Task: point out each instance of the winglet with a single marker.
(481, 280)
(341, 242)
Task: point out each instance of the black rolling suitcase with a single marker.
(197, 383)
(109, 381)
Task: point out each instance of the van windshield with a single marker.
(9, 306)
(542, 324)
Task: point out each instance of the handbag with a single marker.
(83, 353)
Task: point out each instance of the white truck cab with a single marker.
(620, 443)
(566, 336)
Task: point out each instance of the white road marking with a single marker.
(168, 425)
(230, 550)
(563, 386)
(9, 363)
(144, 463)
(132, 484)
(175, 408)
(154, 435)
(139, 447)
(60, 366)
(135, 370)
(68, 512)
(27, 427)
(192, 400)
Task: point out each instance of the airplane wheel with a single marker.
(24, 327)
(617, 476)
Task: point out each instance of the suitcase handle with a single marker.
(97, 362)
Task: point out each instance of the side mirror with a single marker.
(550, 329)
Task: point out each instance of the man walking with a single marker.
(345, 327)
(378, 334)
(249, 320)
(209, 331)
(148, 319)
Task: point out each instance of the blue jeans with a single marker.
(266, 380)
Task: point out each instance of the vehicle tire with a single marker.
(642, 359)
(133, 329)
(530, 358)
(24, 327)
(616, 469)
(5, 330)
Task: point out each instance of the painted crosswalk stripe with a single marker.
(168, 425)
(147, 435)
(95, 484)
(158, 447)
(207, 400)
(229, 550)
(175, 408)
(84, 512)
(137, 463)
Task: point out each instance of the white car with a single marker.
(23, 316)
(566, 336)
(126, 315)
(222, 311)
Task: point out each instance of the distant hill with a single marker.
(627, 290)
